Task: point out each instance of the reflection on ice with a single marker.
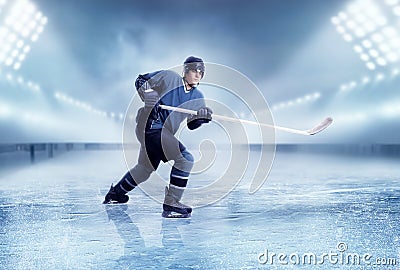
(52, 217)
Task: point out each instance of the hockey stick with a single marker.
(318, 128)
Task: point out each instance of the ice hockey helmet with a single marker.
(194, 63)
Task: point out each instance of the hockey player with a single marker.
(155, 131)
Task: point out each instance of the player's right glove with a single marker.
(150, 99)
(204, 115)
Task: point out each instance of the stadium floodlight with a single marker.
(366, 80)
(22, 25)
(17, 65)
(27, 84)
(353, 84)
(20, 80)
(395, 43)
(300, 100)
(343, 87)
(380, 77)
(369, 8)
(341, 29)
(2, 2)
(369, 26)
(391, 2)
(335, 20)
(360, 18)
(372, 29)
(377, 37)
(371, 66)
(384, 48)
(381, 21)
(358, 49)
(366, 43)
(381, 61)
(374, 53)
(342, 16)
(347, 37)
(77, 103)
(351, 24)
(396, 10)
(389, 31)
(359, 32)
(364, 57)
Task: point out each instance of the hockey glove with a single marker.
(203, 116)
(150, 99)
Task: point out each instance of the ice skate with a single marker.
(172, 207)
(115, 197)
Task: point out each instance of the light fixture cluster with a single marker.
(365, 24)
(29, 84)
(85, 106)
(365, 80)
(22, 26)
(21, 81)
(18, 80)
(300, 100)
(2, 4)
(394, 5)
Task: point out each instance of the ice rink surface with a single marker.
(52, 218)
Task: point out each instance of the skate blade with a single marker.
(113, 202)
(171, 214)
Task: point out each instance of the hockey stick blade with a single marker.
(321, 126)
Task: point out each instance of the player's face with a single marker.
(193, 76)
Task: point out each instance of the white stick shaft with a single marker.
(231, 119)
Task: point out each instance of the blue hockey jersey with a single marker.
(172, 92)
